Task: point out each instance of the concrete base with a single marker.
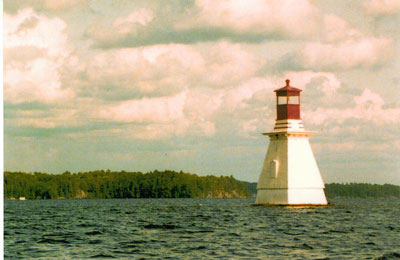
(291, 197)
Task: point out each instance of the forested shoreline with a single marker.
(362, 190)
(350, 190)
(157, 184)
(108, 184)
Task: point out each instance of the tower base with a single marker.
(291, 197)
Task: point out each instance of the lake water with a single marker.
(200, 229)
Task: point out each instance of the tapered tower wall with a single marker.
(302, 168)
(275, 168)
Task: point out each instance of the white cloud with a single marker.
(336, 28)
(341, 46)
(155, 131)
(168, 69)
(146, 110)
(154, 118)
(228, 63)
(35, 49)
(369, 100)
(382, 7)
(52, 118)
(27, 28)
(202, 103)
(252, 88)
(201, 108)
(288, 17)
(368, 107)
(300, 79)
(148, 118)
(159, 69)
(40, 81)
(126, 24)
(364, 52)
(121, 26)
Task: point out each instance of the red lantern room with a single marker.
(288, 102)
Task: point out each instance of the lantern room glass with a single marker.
(293, 100)
(282, 100)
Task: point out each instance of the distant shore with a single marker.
(107, 185)
(157, 184)
(350, 190)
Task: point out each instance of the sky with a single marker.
(188, 85)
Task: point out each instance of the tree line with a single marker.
(362, 190)
(108, 184)
(357, 190)
(157, 184)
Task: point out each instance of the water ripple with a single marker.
(200, 229)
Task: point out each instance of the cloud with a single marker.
(40, 81)
(336, 147)
(35, 50)
(352, 146)
(27, 28)
(204, 21)
(301, 79)
(335, 28)
(382, 7)
(364, 52)
(254, 17)
(338, 46)
(368, 107)
(237, 21)
(62, 4)
(136, 72)
(188, 113)
(185, 114)
(46, 119)
(201, 104)
(228, 63)
(167, 69)
(148, 118)
(43, 5)
(126, 24)
(146, 110)
(132, 25)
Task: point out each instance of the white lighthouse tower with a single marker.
(290, 175)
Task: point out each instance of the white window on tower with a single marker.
(282, 100)
(294, 100)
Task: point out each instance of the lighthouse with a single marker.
(290, 175)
